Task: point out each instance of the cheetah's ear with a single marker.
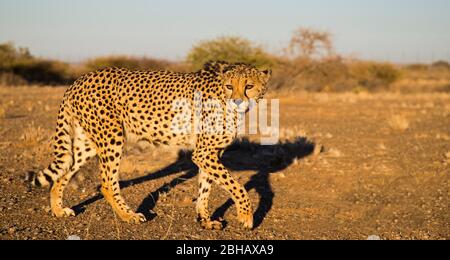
(266, 75)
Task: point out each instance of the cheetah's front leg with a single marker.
(208, 162)
(204, 189)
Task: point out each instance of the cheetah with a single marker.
(104, 109)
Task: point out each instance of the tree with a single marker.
(310, 44)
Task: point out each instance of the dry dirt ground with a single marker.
(348, 166)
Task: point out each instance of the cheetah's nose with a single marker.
(238, 101)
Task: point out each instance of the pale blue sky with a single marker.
(395, 30)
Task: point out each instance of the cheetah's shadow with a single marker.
(242, 155)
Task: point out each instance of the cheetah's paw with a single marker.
(134, 218)
(211, 224)
(246, 220)
(65, 212)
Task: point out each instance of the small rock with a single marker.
(373, 237)
(46, 209)
(73, 237)
(12, 230)
(399, 122)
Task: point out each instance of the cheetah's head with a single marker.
(243, 83)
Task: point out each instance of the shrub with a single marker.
(10, 55)
(11, 79)
(333, 74)
(372, 75)
(313, 75)
(44, 72)
(230, 49)
(441, 65)
(417, 67)
(126, 62)
(18, 67)
(311, 64)
(446, 89)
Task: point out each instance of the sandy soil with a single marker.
(348, 166)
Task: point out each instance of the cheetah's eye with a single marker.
(230, 87)
(248, 87)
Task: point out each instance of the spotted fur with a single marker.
(105, 109)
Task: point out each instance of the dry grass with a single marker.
(4, 107)
(399, 122)
(2, 112)
(409, 85)
(33, 134)
(423, 78)
(291, 133)
(333, 153)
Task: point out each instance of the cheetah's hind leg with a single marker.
(109, 159)
(82, 149)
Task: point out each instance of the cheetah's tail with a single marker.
(42, 178)
(63, 154)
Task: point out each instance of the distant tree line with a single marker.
(309, 62)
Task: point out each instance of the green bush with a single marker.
(230, 49)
